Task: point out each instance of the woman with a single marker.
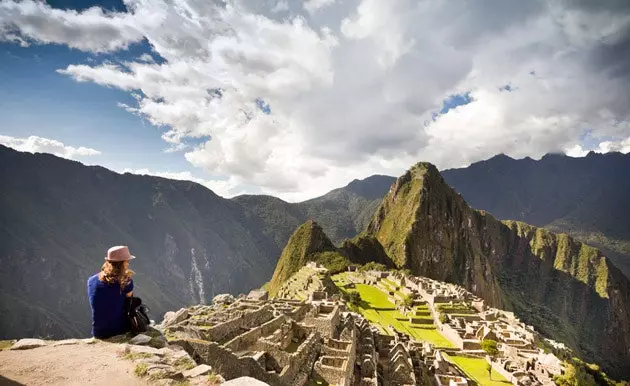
(107, 291)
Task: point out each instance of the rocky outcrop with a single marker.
(564, 288)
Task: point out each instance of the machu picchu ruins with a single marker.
(312, 333)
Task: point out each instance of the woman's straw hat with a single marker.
(119, 253)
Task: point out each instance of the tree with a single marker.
(354, 298)
(443, 318)
(373, 266)
(490, 347)
(408, 301)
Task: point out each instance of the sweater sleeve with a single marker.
(129, 287)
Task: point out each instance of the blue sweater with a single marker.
(109, 317)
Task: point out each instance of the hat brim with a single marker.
(131, 257)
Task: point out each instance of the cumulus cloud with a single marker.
(356, 87)
(312, 6)
(34, 144)
(90, 30)
(622, 146)
(225, 188)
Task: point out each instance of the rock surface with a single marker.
(245, 381)
(223, 299)
(140, 339)
(66, 342)
(171, 318)
(25, 344)
(197, 371)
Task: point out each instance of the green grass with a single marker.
(141, 369)
(475, 369)
(133, 356)
(376, 308)
(5, 344)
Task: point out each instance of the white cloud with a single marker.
(89, 30)
(622, 146)
(312, 6)
(34, 144)
(224, 188)
(353, 87)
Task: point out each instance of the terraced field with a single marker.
(475, 369)
(376, 307)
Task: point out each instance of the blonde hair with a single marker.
(116, 272)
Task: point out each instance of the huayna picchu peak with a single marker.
(564, 288)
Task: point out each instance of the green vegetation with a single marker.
(376, 307)
(354, 298)
(580, 373)
(475, 369)
(308, 240)
(583, 262)
(490, 347)
(332, 260)
(132, 356)
(372, 266)
(184, 363)
(408, 301)
(5, 344)
(213, 379)
(141, 369)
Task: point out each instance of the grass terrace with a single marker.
(376, 307)
(475, 369)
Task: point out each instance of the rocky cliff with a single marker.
(566, 289)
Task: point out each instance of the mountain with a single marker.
(308, 243)
(585, 197)
(342, 213)
(564, 288)
(59, 217)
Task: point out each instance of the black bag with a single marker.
(137, 314)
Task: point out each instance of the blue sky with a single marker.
(36, 100)
(313, 94)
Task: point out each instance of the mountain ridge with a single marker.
(552, 280)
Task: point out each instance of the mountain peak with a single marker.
(308, 240)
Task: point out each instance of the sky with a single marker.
(295, 98)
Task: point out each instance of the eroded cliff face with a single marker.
(566, 289)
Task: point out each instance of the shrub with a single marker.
(373, 266)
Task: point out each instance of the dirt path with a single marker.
(80, 364)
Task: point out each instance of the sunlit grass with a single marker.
(378, 309)
(475, 369)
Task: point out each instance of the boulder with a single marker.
(244, 381)
(197, 371)
(171, 318)
(223, 299)
(258, 294)
(25, 344)
(130, 348)
(66, 342)
(140, 339)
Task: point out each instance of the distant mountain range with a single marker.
(588, 198)
(59, 216)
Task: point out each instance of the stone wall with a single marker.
(326, 323)
(230, 329)
(224, 362)
(250, 338)
(302, 361)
